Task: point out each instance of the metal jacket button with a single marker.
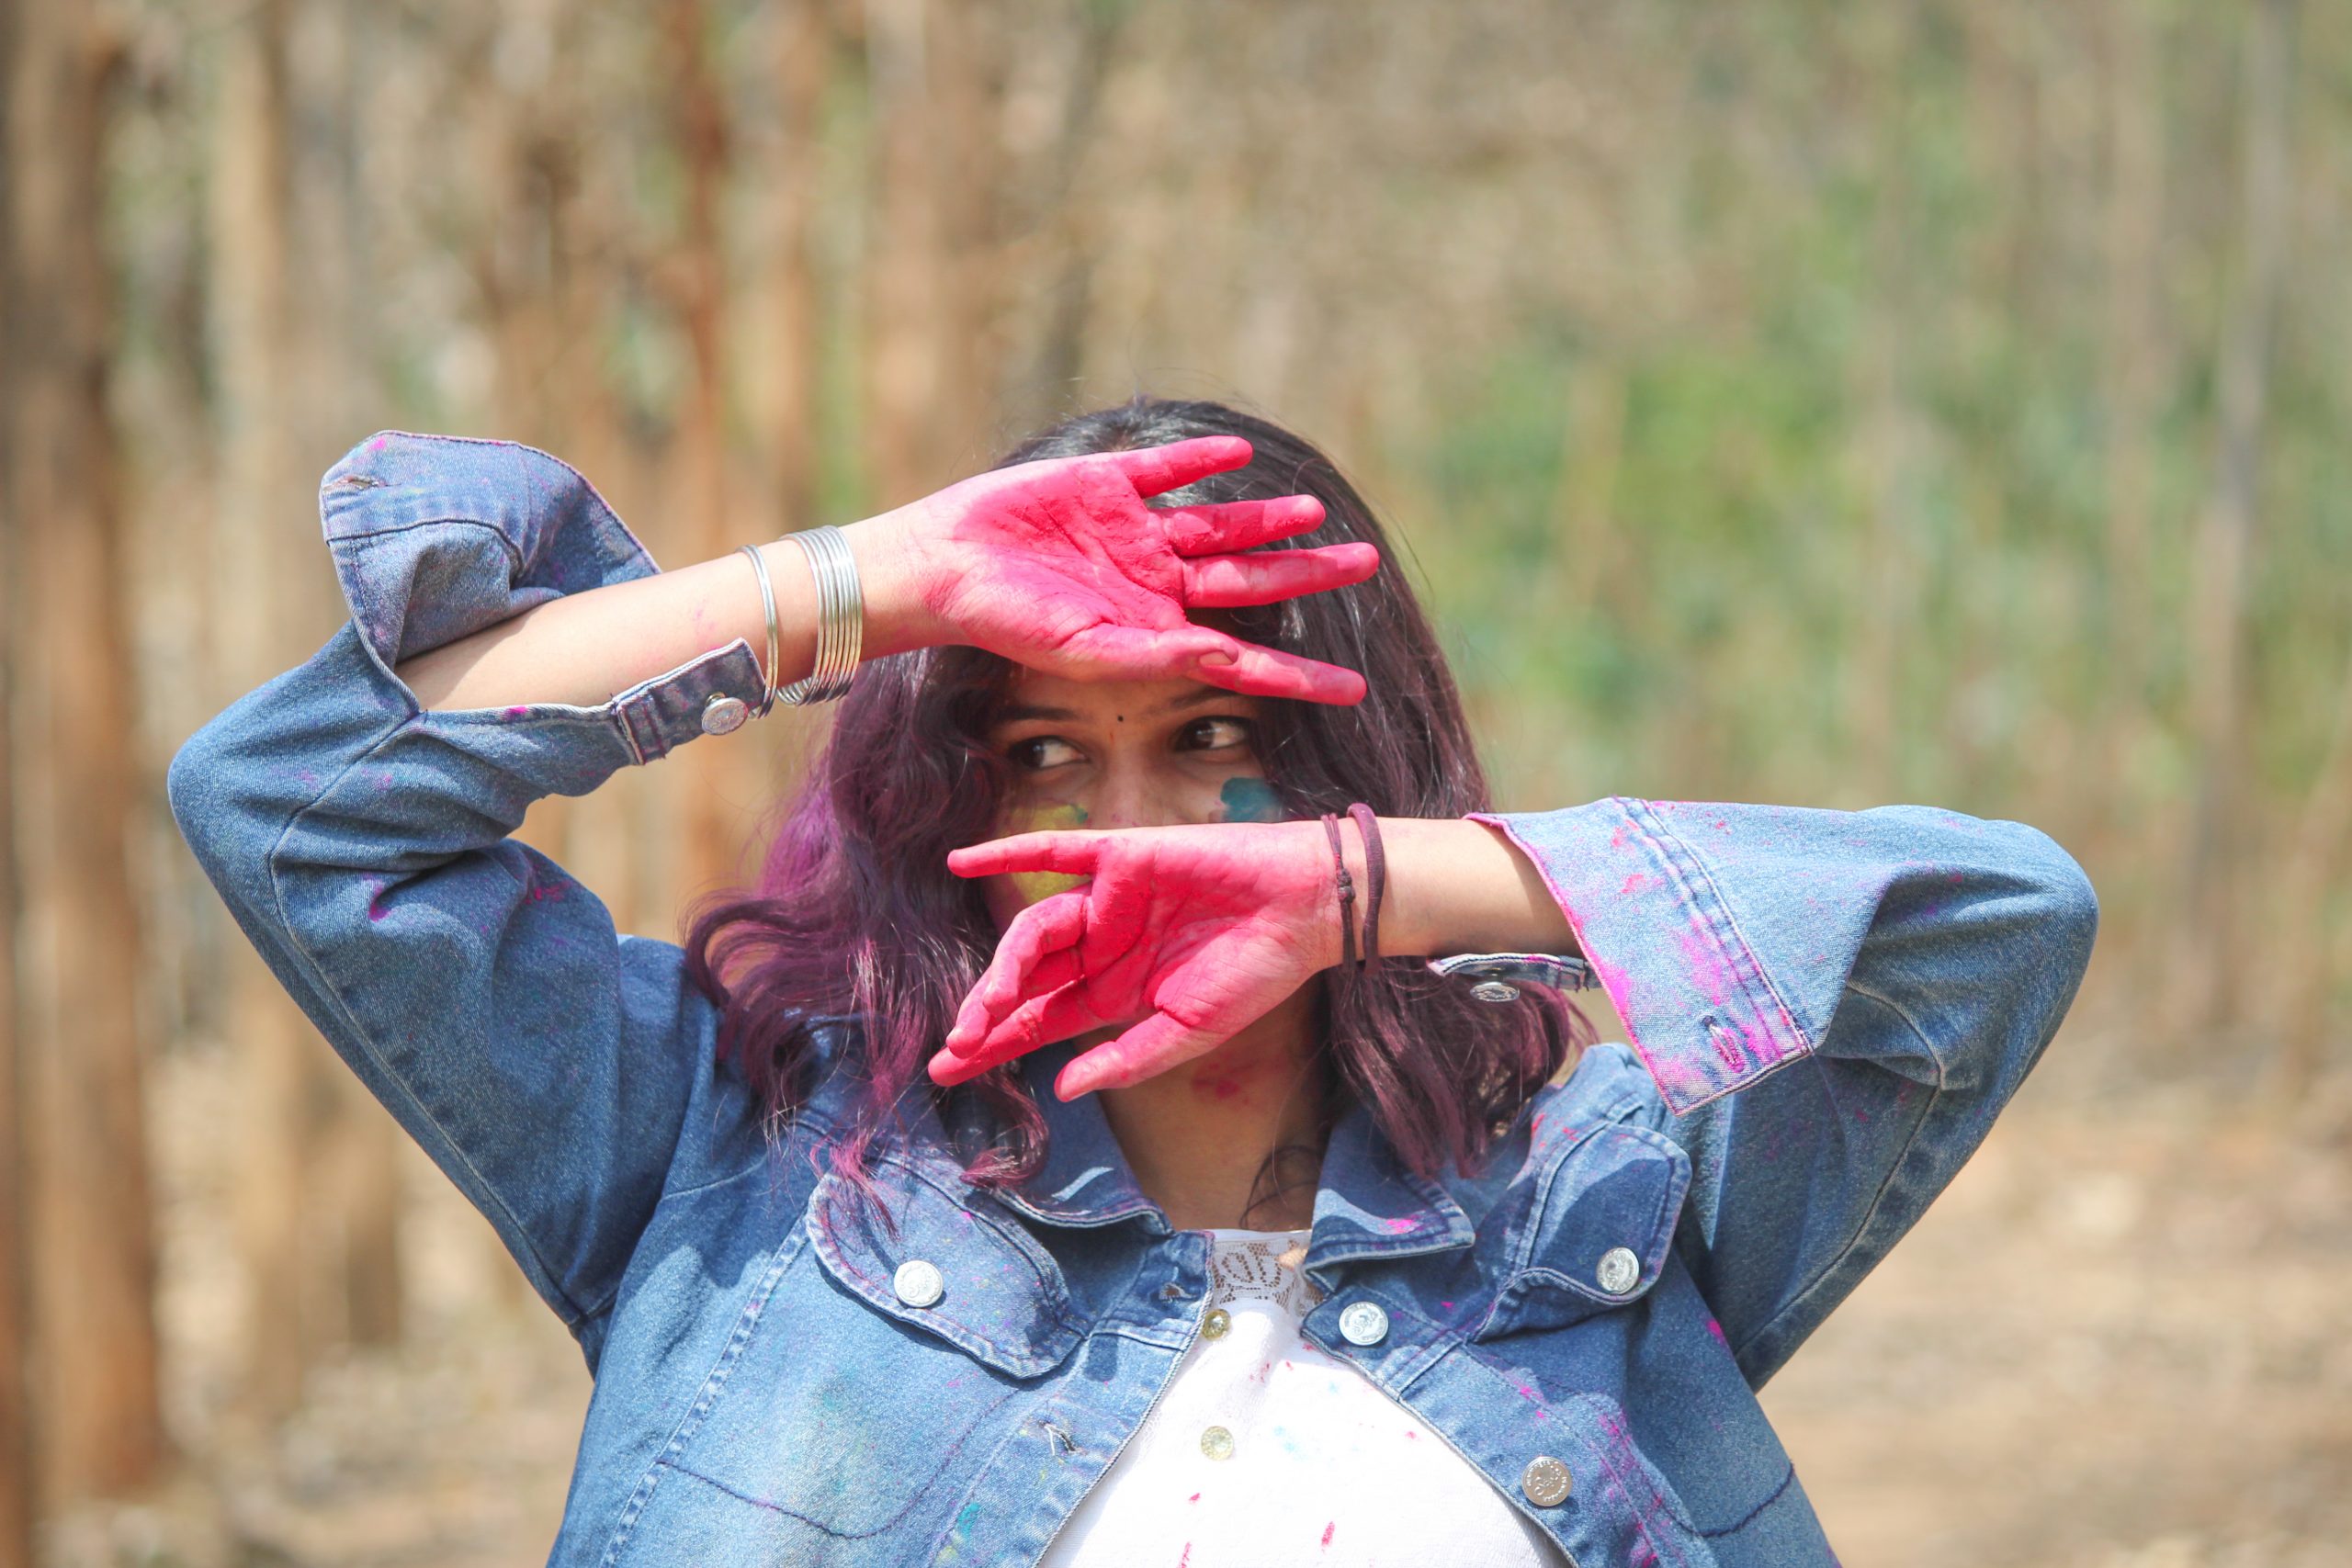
(723, 715)
(918, 1284)
(1619, 1271)
(1546, 1482)
(1364, 1323)
(1217, 1325)
(1495, 991)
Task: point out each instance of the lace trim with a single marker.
(1261, 1268)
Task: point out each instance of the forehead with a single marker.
(1033, 694)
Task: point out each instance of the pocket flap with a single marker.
(999, 1297)
(1597, 1233)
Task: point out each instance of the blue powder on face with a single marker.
(1250, 800)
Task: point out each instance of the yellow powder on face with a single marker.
(1037, 886)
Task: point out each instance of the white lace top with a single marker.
(1264, 1451)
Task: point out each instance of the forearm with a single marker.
(1460, 886)
(584, 648)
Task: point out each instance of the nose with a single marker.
(1131, 793)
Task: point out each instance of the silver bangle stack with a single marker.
(841, 619)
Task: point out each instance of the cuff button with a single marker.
(1495, 991)
(723, 715)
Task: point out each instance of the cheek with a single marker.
(1008, 895)
(1249, 800)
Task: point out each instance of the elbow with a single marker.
(213, 787)
(193, 787)
(2071, 904)
(2056, 917)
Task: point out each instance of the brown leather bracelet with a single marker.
(1347, 893)
(1375, 866)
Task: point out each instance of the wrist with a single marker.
(1455, 886)
(899, 616)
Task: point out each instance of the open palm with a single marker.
(1060, 565)
(1189, 935)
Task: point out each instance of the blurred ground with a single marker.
(2120, 1340)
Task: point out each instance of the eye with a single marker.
(1039, 752)
(1216, 733)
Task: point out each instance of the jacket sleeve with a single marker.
(1835, 1006)
(547, 1064)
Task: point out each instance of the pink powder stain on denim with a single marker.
(1616, 984)
(380, 444)
(518, 712)
(1398, 1227)
(1704, 958)
(1717, 1330)
(1635, 883)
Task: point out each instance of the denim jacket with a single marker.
(1824, 1011)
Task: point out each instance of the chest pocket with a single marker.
(969, 1274)
(1596, 1230)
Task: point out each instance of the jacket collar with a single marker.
(1368, 1205)
(1085, 1180)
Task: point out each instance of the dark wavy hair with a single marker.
(856, 915)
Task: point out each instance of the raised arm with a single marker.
(510, 639)
(1834, 1005)
(1060, 565)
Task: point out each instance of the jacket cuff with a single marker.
(1697, 1004)
(436, 536)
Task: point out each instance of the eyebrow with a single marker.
(1022, 713)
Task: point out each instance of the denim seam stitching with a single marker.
(1666, 839)
(636, 551)
(300, 948)
(714, 1384)
(1893, 1169)
(1787, 1477)
(366, 536)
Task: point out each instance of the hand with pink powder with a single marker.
(1195, 932)
(1189, 935)
(1060, 565)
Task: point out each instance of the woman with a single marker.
(1161, 1229)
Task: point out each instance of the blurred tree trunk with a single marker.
(2217, 840)
(263, 540)
(804, 66)
(16, 1406)
(719, 780)
(2133, 368)
(357, 1280)
(930, 276)
(16, 1274)
(1882, 429)
(93, 1295)
(1061, 359)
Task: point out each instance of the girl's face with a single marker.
(1120, 754)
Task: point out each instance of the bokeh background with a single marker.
(1942, 401)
